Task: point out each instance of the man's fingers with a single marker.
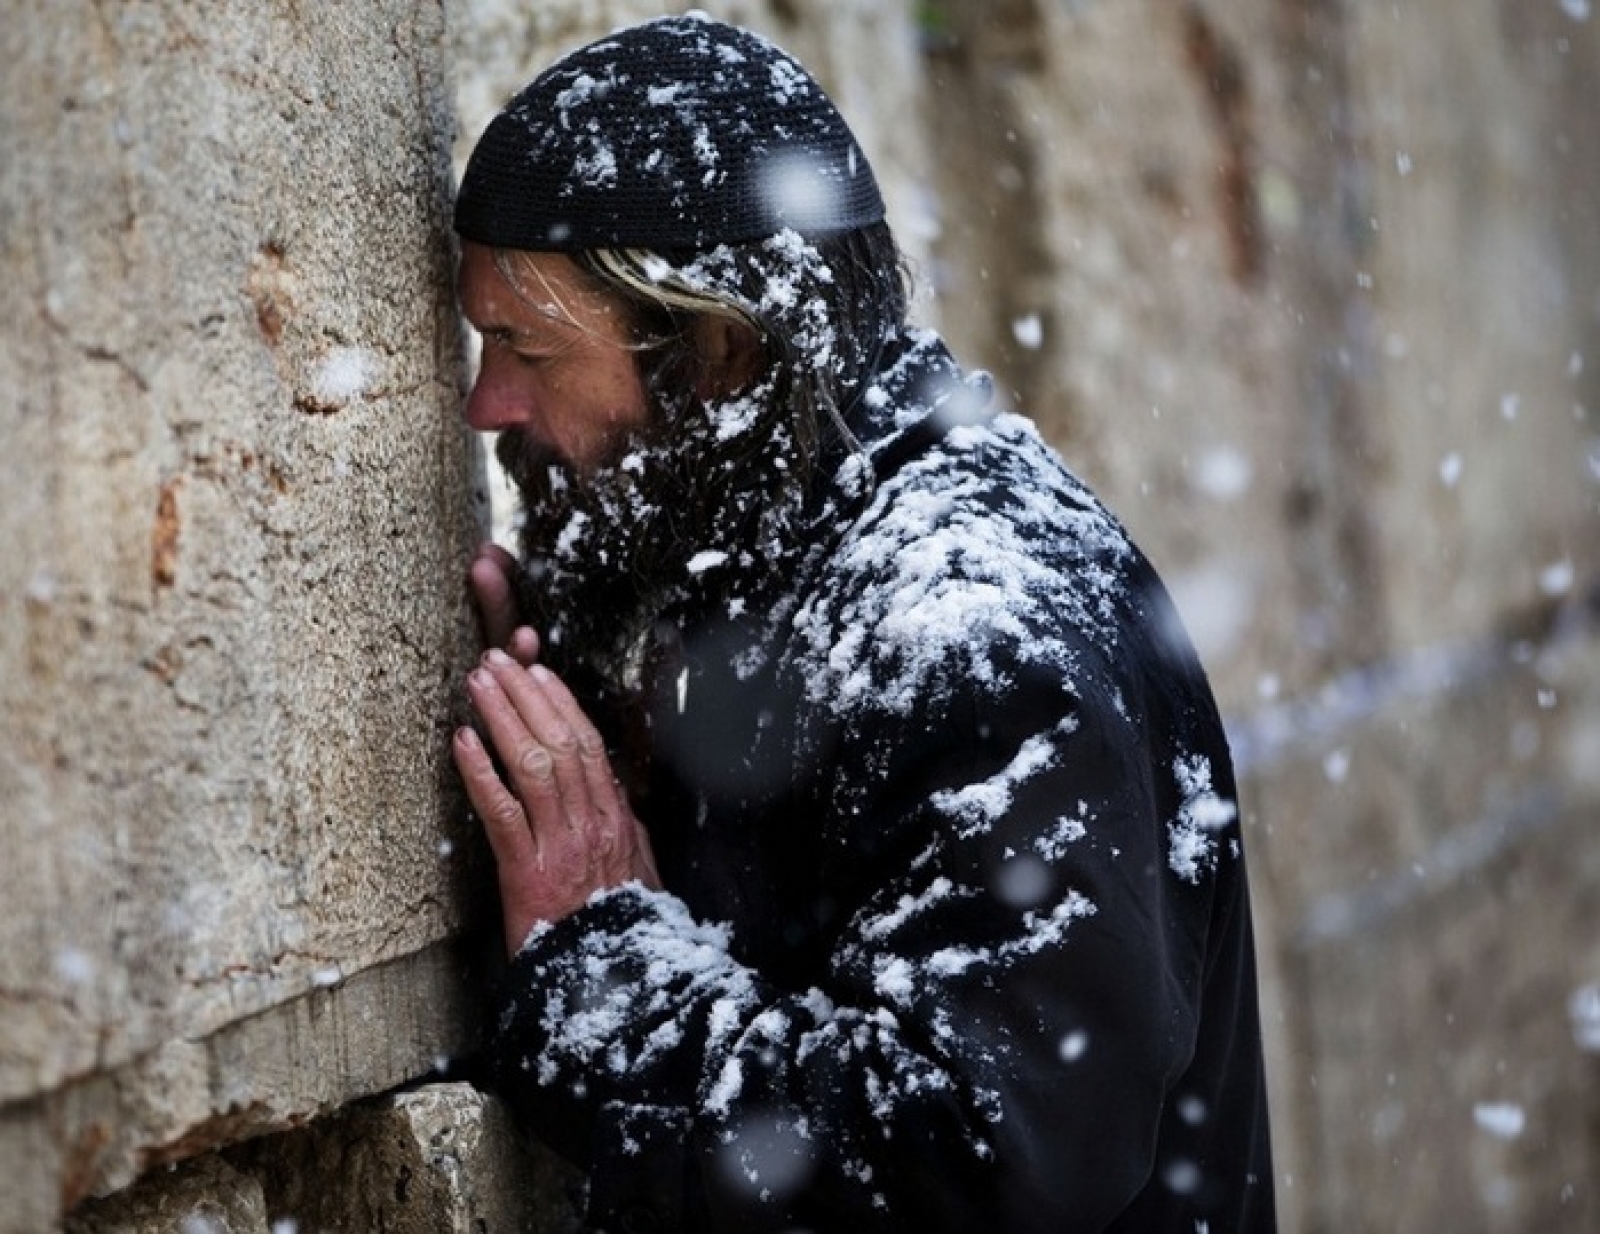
(523, 646)
(503, 819)
(529, 761)
(490, 576)
(560, 825)
(519, 862)
(620, 844)
(564, 742)
(600, 782)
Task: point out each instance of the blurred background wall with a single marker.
(1309, 290)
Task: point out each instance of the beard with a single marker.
(698, 510)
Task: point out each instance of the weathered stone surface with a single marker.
(33, 1167)
(440, 1159)
(204, 1196)
(237, 507)
(392, 1022)
(444, 1159)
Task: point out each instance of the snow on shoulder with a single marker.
(981, 550)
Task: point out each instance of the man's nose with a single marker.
(496, 403)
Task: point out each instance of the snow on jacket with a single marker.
(957, 935)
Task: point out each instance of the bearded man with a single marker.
(865, 829)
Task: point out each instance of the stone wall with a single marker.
(237, 503)
(1308, 289)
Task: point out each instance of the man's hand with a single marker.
(489, 577)
(560, 825)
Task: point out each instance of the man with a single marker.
(865, 829)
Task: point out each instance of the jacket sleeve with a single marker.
(1004, 1017)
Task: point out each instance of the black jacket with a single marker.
(957, 935)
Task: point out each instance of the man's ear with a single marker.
(730, 355)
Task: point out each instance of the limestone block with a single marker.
(443, 1159)
(204, 1196)
(237, 506)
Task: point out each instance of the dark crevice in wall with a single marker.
(1220, 69)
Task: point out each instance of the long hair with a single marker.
(822, 309)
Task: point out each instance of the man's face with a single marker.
(557, 373)
(623, 481)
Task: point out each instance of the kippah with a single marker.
(678, 133)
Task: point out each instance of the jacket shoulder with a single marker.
(978, 558)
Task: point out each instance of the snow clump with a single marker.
(1203, 812)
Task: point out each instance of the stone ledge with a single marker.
(440, 1159)
(380, 1028)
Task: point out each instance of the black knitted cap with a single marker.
(679, 133)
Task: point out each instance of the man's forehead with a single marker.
(487, 293)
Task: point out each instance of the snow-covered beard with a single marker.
(697, 510)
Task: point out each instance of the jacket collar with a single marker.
(917, 395)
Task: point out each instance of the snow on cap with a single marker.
(681, 132)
